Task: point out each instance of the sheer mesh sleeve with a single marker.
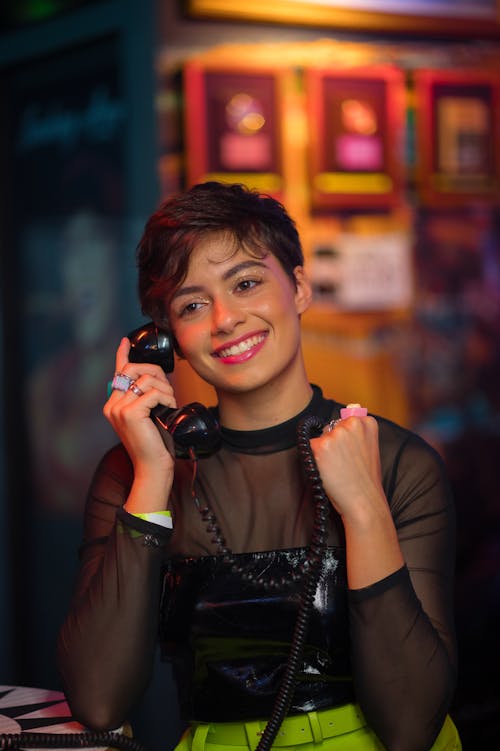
(106, 645)
(402, 627)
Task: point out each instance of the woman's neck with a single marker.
(264, 407)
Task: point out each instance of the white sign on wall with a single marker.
(364, 271)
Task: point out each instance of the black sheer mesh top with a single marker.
(389, 646)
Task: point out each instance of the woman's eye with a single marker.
(246, 284)
(191, 307)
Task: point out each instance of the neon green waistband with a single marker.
(310, 727)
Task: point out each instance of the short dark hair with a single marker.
(255, 222)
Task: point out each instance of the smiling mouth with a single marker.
(239, 349)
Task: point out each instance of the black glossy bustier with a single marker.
(229, 641)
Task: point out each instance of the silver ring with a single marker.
(135, 389)
(332, 424)
(121, 382)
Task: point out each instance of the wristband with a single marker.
(163, 518)
(135, 525)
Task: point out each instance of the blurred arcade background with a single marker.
(377, 124)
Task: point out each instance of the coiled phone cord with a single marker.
(305, 430)
(307, 427)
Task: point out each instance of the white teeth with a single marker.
(244, 346)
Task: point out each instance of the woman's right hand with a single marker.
(129, 414)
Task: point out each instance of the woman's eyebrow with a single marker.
(197, 288)
(241, 267)
(194, 289)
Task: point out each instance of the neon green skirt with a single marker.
(339, 729)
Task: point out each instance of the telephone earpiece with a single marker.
(192, 428)
(154, 345)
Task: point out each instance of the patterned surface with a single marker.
(37, 710)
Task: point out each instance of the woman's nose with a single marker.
(226, 314)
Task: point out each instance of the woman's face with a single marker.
(236, 317)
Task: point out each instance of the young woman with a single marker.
(223, 589)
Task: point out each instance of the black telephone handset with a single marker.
(193, 428)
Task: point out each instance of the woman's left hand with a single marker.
(348, 460)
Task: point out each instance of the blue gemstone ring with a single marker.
(121, 382)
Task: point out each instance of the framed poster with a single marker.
(457, 122)
(233, 126)
(429, 17)
(356, 126)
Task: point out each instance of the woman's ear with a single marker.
(303, 290)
